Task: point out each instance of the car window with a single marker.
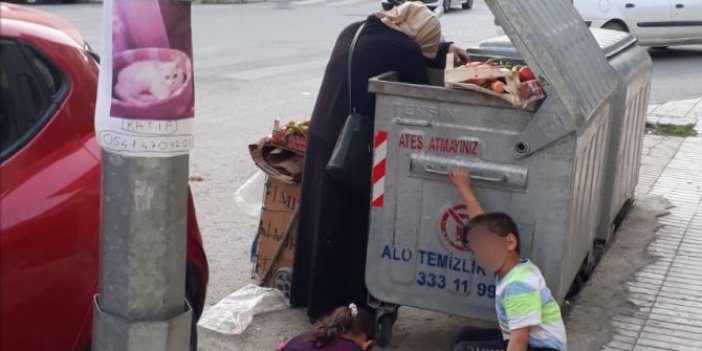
(30, 89)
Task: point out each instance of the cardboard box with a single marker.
(280, 204)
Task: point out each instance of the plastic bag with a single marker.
(249, 196)
(235, 312)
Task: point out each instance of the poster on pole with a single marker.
(145, 104)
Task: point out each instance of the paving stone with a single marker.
(667, 291)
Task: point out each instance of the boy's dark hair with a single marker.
(342, 321)
(496, 222)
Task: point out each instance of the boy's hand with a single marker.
(460, 179)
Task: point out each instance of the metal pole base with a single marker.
(132, 335)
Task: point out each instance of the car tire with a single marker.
(386, 6)
(467, 5)
(447, 5)
(613, 25)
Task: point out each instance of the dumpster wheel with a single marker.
(282, 280)
(383, 329)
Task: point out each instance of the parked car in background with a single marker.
(432, 4)
(50, 187)
(653, 22)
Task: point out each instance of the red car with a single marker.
(50, 182)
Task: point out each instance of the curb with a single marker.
(243, 1)
(677, 113)
(230, 1)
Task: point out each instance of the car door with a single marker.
(49, 206)
(648, 20)
(687, 21)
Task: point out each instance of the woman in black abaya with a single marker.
(330, 252)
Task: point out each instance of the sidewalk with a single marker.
(646, 294)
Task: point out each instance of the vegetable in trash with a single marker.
(525, 74)
(292, 128)
(498, 87)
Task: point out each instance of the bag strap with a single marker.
(350, 65)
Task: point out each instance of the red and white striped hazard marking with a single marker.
(379, 159)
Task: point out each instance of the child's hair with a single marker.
(348, 319)
(497, 223)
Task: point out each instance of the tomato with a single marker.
(524, 93)
(479, 82)
(525, 74)
(498, 87)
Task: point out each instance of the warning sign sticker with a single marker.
(451, 227)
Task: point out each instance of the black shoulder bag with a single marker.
(353, 147)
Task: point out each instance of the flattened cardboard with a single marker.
(279, 206)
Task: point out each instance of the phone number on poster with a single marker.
(118, 142)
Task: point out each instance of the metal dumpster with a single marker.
(634, 67)
(542, 163)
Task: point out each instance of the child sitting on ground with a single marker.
(346, 329)
(529, 316)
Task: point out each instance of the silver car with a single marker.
(431, 4)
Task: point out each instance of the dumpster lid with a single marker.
(611, 42)
(554, 41)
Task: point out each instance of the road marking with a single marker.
(308, 2)
(274, 71)
(346, 3)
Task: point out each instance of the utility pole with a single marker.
(145, 137)
(142, 305)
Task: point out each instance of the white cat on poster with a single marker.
(146, 82)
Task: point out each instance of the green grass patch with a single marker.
(687, 130)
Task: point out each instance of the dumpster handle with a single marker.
(413, 122)
(499, 179)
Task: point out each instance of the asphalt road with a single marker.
(257, 62)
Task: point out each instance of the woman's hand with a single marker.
(459, 54)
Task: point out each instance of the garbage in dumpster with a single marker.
(234, 313)
(497, 77)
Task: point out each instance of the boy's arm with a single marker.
(522, 307)
(461, 180)
(518, 340)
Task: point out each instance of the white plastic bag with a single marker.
(235, 312)
(249, 196)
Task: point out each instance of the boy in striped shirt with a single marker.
(529, 316)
